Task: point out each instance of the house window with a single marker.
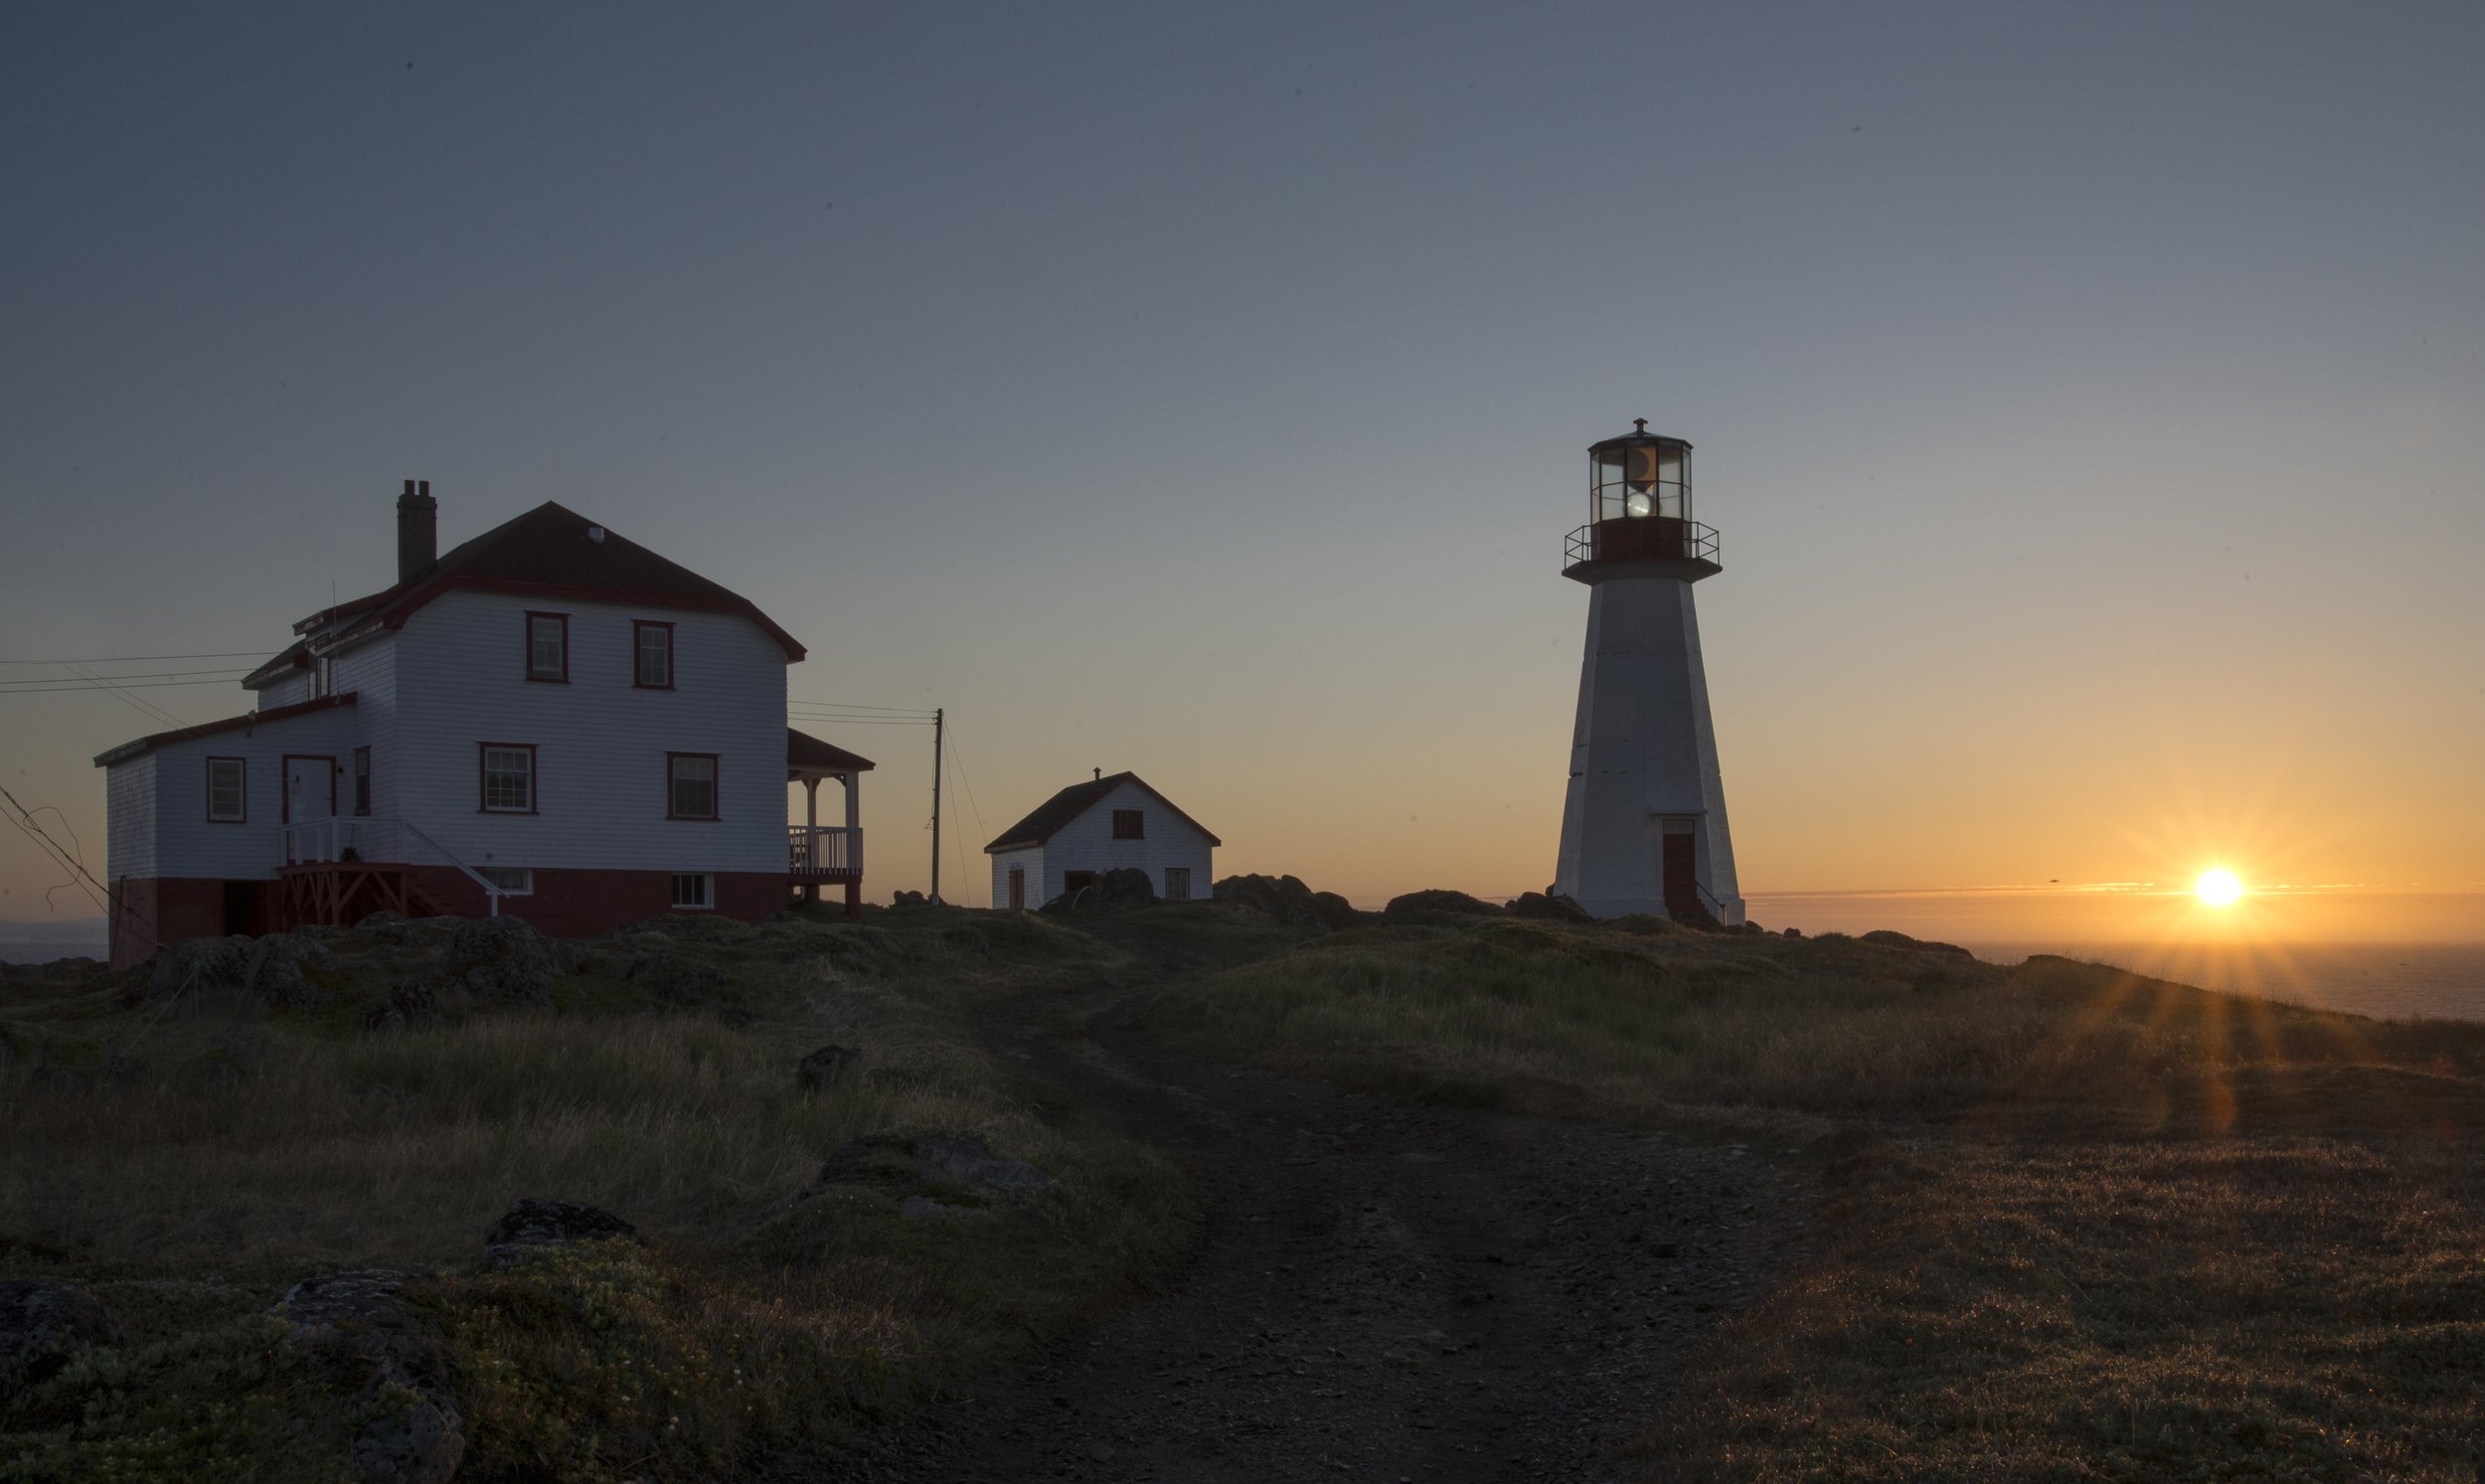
(362, 780)
(1131, 824)
(654, 649)
(508, 779)
(513, 881)
(1177, 884)
(228, 791)
(548, 646)
(692, 778)
(693, 888)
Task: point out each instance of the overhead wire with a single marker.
(132, 659)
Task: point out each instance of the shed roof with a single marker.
(1077, 799)
(549, 551)
(152, 740)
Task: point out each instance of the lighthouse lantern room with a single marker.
(1643, 819)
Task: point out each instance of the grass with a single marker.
(2081, 1225)
(233, 1157)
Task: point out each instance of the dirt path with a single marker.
(1385, 1291)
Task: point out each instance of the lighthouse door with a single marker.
(1680, 865)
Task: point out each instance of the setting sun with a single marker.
(2218, 887)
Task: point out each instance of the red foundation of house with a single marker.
(564, 904)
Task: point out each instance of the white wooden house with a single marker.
(1088, 829)
(549, 720)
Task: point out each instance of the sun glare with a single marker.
(2218, 887)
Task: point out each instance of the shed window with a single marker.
(228, 791)
(508, 779)
(654, 649)
(693, 779)
(548, 646)
(1131, 824)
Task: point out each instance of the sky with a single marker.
(2090, 399)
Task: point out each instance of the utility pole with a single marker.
(937, 730)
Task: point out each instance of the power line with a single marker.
(919, 711)
(144, 706)
(105, 683)
(132, 659)
(230, 672)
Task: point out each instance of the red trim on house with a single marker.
(209, 803)
(483, 778)
(564, 677)
(150, 742)
(284, 782)
(715, 785)
(638, 658)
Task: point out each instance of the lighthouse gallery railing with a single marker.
(1641, 539)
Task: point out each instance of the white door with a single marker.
(311, 788)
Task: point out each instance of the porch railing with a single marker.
(343, 838)
(824, 851)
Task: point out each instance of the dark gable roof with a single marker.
(295, 656)
(150, 742)
(1074, 802)
(547, 552)
(802, 749)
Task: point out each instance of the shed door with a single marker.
(311, 787)
(1018, 889)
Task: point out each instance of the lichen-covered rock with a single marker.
(198, 964)
(1416, 904)
(827, 1067)
(928, 1164)
(1546, 907)
(410, 1004)
(500, 961)
(1287, 900)
(358, 1329)
(272, 968)
(42, 1320)
(551, 1224)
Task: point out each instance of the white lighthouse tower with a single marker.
(1643, 825)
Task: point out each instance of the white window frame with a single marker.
(694, 884)
(1172, 872)
(500, 876)
(241, 791)
(533, 799)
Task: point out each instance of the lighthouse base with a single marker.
(1643, 820)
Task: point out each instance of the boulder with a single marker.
(42, 1320)
(1419, 903)
(500, 961)
(664, 975)
(272, 968)
(551, 1224)
(199, 963)
(910, 899)
(1889, 940)
(1124, 886)
(928, 1164)
(358, 1329)
(409, 1003)
(827, 1067)
(1287, 900)
(1547, 907)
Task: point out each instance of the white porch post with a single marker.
(811, 842)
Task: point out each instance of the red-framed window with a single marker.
(690, 785)
(508, 779)
(227, 790)
(651, 655)
(362, 780)
(1131, 824)
(548, 647)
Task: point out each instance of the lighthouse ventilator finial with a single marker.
(1643, 817)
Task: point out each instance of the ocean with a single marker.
(2387, 981)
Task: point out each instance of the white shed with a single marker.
(1106, 824)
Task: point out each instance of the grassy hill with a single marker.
(2071, 1223)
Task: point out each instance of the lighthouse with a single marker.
(1643, 822)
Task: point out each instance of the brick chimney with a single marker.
(417, 531)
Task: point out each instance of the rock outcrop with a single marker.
(500, 961)
(533, 1224)
(359, 1331)
(827, 1067)
(1287, 900)
(1416, 905)
(931, 1175)
(44, 1320)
